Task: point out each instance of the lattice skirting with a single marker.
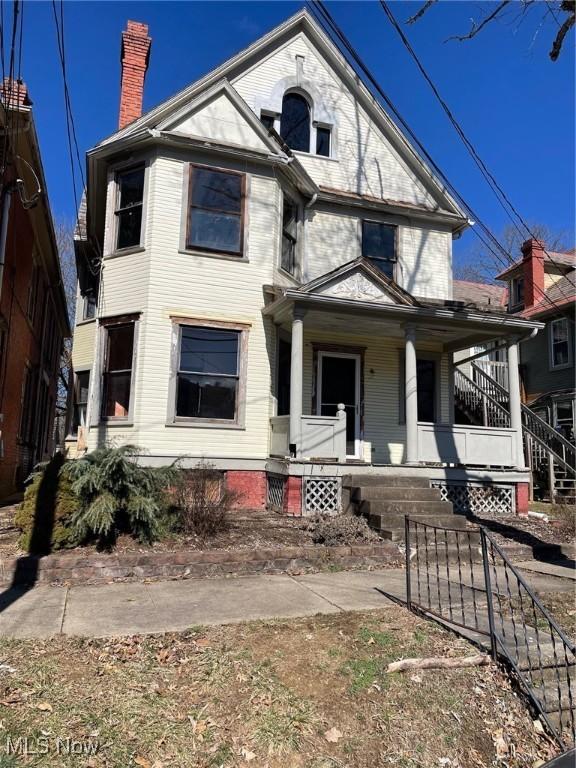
(322, 496)
(478, 499)
(276, 488)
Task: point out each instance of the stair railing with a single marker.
(463, 578)
(563, 451)
(491, 411)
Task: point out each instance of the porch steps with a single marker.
(385, 500)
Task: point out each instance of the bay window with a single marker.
(216, 210)
(117, 369)
(129, 202)
(208, 373)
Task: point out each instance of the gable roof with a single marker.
(359, 279)
(301, 22)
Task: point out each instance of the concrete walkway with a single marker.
(165, 606)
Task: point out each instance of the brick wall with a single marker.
(522, 498)
(250, 485)
(293, 496)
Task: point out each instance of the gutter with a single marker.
(424, 312)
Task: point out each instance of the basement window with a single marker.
(379, 246)
(117, 374)
(129, 202)
(216, 217)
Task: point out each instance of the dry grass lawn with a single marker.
(307, 693)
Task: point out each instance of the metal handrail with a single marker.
(442, 582)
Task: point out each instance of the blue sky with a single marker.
(516, 106)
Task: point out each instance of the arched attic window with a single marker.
(295, 122)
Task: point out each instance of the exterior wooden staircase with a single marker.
(549, 455)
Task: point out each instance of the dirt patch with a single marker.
(508, 529)
(308, 692)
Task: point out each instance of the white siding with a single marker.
(364, 162)
(382, 388)
(200, 286)
(424, 255)
(220, 120)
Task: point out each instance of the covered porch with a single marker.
(364, 376)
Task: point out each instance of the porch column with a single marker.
(411, 395)
(296, 369)
(514, 396)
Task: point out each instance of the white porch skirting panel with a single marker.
(323, 436)
(456, 444)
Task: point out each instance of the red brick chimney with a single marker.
(14, 93)
(533, 268)
(134, 56)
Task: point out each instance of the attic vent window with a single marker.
(295, 122)
(379, 245)
(323, 141)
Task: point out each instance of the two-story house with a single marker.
(542, 285)
(33, 312)
(265, 271)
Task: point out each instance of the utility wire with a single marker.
(483, 233)
(499, 192)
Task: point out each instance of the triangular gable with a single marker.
(361, 281)
(303, 24)
(221, 115)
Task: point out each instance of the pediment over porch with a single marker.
(359, 280)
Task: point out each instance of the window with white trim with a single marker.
(289, 235)
(216, 210)
(81, 387)
(517, 291)
(559, 343)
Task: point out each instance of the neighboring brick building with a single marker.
(33, 313)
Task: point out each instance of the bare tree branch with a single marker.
(564, 29)
(421, 12)
(477, 28)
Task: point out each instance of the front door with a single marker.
(339, 382)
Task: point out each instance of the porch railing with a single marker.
(320, 437)
(496, 369)
(459, 444)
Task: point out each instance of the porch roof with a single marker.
(453, 328)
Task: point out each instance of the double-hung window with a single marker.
(559, 343)
(289, 235)
(129, 202)
(208, 373)
(379, 245)
(517, 292)
(81, 387)
(117, 371)
(216, 215)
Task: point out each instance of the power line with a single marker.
(499, 192)
(488, 239)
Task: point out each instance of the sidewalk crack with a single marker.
(322, 597)
(64, 608)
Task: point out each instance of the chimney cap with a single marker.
(532, 244)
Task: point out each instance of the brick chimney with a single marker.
(14, 94)
(533, 270)
(135, 54)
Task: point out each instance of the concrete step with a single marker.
(392, 527)
(392, 521)
(378, 493)
(555, 696)
(384, 481)
(412, 508)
